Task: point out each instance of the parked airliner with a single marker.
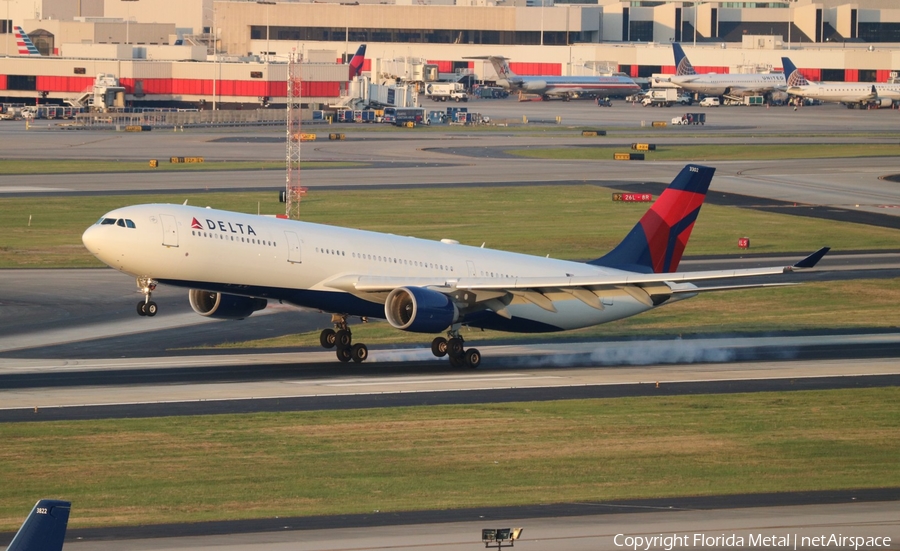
(712, 84)
(233, 263)
(560, 86)
(851, 94)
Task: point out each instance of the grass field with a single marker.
(186, 469)
(73, 166)
(570, 222)
(707, 152)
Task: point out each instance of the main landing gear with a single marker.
(146, 307)
(453, 347)
(341, 338)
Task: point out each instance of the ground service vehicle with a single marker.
(399, 116)
(661, 97)
(443, 91)
(710, 101)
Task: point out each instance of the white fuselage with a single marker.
(737, 85)
(846, 92)
(302, 263)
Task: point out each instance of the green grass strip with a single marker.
(188, 469)
(711, 152)
(81, 166)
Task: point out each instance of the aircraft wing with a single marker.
(641, 286)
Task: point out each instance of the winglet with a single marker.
(811, 260)
(45, 527)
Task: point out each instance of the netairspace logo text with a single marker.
(750, 541)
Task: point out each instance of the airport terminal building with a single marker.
(234, 52)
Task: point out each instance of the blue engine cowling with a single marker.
(222, 306)
(419, 310)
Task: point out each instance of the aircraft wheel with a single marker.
(455, 347)
(439, 347)
(472, 358)
(343, 338)
(327, 338)
(151, 309)
(359, 352)
(141, 308)
(344, 355)
(456, 361)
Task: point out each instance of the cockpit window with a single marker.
(121, 222)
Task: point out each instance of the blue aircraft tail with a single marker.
(45, 527)
(682, 65)
(357, 61)
(792, 75)
(656, 243)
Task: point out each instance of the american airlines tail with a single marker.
(792, 74)
(26, 46)
(658, 240)
(357, 61)
(682, 64)
(45, 527)
(501, 67)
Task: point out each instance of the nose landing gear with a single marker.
(146, 307)
(342, 338)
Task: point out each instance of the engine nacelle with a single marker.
(222, 306)
(536, 86)
(419, 310)
(883, 102)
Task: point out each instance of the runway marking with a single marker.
(437, 380)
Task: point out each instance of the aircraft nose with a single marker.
(91, 240)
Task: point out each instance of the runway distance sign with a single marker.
(633, 197)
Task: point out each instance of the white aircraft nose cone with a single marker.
(91, 240)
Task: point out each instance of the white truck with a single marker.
(444, 91)
(661, 97)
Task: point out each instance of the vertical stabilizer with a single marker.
(792, 74)
(357, 62)
(656, 243)
(682, 64)
(501, 67)
(45, 527)
(26, 46)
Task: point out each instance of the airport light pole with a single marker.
(267, 4)
(215, 33)
(127, 23)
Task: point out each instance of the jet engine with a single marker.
(419, 310)
(882, 102)
(535, 86)
(223, 306)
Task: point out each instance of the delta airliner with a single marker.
(233, 263)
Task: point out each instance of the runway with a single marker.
(606, 530)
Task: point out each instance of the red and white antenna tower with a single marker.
(293, 192)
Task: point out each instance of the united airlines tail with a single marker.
(657, 241)
(45, 527)
(26, 46)
(682, 65)
(357, 61)
(792, 75)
